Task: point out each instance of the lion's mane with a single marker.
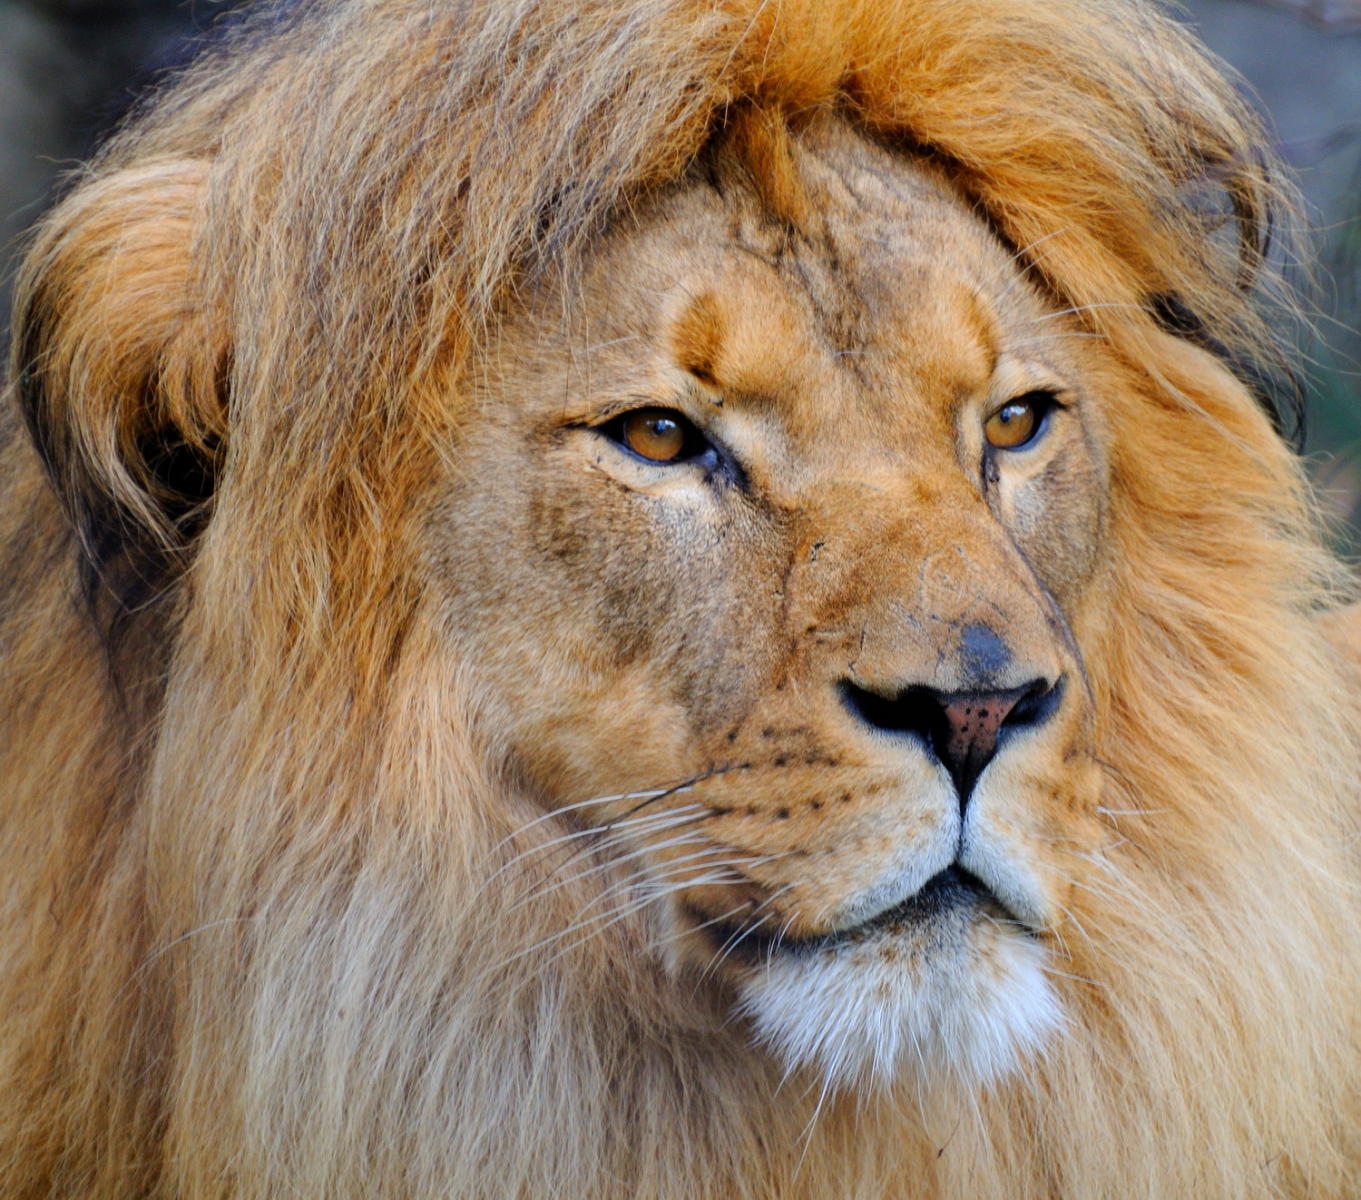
(259, 851)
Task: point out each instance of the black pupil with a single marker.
(662, 427)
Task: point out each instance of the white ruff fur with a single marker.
(967, 1004)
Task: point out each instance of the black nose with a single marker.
(962, 729)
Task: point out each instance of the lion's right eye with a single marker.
(1020, 421)
(658, 435)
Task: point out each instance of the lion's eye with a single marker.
(1019, 421)
(660, 435)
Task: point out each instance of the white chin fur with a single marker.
(898, 1006)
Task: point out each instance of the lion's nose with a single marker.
(961, 729)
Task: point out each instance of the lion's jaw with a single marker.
(955, 994)
(743, 695)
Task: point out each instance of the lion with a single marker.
(673, 600)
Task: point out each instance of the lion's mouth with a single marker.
(952, 893)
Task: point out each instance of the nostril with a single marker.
(914, 710)
(1036, 703)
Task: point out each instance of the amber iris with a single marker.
(1012, 425)
(655, 434)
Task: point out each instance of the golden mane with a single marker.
(257, 828)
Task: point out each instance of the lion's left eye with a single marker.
(1019, 422)
(659, 435)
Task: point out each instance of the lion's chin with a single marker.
(957, 994)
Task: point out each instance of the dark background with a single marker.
(70, 68)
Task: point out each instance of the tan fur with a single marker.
(360, 821)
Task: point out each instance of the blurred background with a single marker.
(70, 68)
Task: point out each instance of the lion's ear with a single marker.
(1228, 210)
(120, 370)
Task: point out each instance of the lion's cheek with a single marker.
(1056, 519)
(668, 637)
(602, 740)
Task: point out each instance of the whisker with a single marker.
(646, 795)
(686, 786)
(160, 951)
(1050, 969)
(1013, 280)
(552, 884)
(1072, 919)
(567, 808)
(812, 1121)
(634, 878)
(1131, 812)
(778, 939)
(642, 852)
(606, 827)
(654, 888)
(599, 925)
(1082, 308)
(648, 824)
(1043, 339)
(718, 920)
(736, 938)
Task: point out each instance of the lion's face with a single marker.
(776, 559)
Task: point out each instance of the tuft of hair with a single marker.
(865, 1023)
(270, 872)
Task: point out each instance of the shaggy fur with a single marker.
(280, 912)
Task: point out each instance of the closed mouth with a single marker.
(951, 891)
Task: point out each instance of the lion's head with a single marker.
(680, 600)
(816, 512)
